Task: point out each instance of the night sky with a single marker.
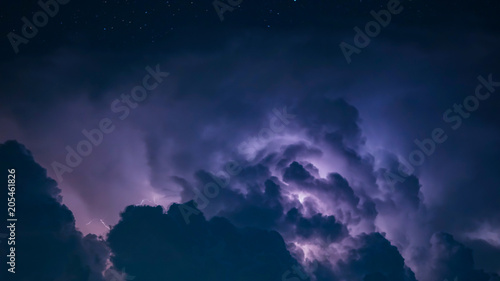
(248, 140)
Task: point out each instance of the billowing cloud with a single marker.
(276, 135)
(46, 244)
(153, 245)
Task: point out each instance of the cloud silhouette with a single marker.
(154, 245)
(48, 246)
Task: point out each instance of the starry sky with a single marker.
(237, 140)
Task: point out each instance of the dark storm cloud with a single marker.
(262, 203)
(334, 190)
(246, 203)
(254, 197)
(450, 259)
(296, 173)
(47, 244)
(375, 259)
(317, 226)
(223, 91)
(486, 253)
(259, 207)
(403, 185)
(153, 245)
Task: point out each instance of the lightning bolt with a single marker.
(105, 224)
(102, 222)
(144, 200)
